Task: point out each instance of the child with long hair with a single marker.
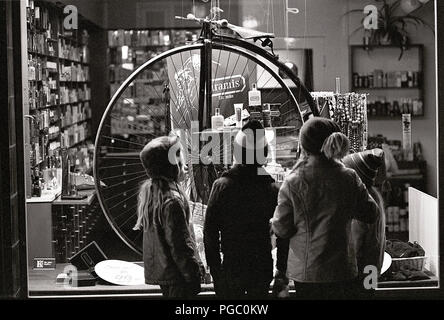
(169, 249)
(316, 205)
(369, 239)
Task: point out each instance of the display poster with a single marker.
(184, 75)
(231, 81)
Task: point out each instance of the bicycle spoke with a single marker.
(132, 195)
(113, 138)
(192, 68)
(123, 213)
(218, 63)
(119, 195)
(121, 148)
(134, 134)
(121, 175)
(186, 100)
(175, 103)
(231, 75)
(142, 176)
(137, 236)
(120, 165)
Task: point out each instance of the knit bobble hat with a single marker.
(155, 158)
(315, 131)
(366, 164)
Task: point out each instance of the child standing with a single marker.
(369, 239)
(316, 205)
(169, 249)
(241, 204)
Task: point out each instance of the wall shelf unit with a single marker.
(394, 85)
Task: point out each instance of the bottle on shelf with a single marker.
(254, 97)
(217, 121)
(410, 79)
(378, 108)
(36, 186)
(396, 109)
(355, 80)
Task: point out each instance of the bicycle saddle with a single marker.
(247, 34)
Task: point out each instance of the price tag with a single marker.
(44, 264)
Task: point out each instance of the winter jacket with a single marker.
(169, 249)
(240, 206)
(369, 239)
(317, 216)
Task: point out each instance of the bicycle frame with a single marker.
(208, 37)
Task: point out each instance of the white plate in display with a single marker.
(386, 263)
(120, 272)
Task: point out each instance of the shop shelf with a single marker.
(397, 118)
(70, 60)
(74, 123)
(70, 81)
(79, 142)
(61, 104)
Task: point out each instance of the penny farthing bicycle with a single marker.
(183, 86)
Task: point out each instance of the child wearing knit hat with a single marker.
(170, 256)
(241, 203)
(316, 205)
(369, 239)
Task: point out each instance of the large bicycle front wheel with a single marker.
(163, 96)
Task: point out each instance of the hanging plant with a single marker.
(392, 28)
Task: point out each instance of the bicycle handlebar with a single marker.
(191, 17)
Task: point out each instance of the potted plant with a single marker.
(392, 27)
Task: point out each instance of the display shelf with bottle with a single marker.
(59, 91)
(394, 85)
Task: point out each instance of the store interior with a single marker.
(72, 67)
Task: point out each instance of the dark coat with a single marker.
(169, 249)
(317, 216)
(240, 206)
(369, 239)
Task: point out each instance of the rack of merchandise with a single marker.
(58, 107)
(59, 96)
(349, 111)
(394, 82)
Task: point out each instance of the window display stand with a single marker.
(349, 111)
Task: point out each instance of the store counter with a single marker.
(52, 223)
(43, 283)
(90, 196)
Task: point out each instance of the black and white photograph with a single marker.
(223, 157)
